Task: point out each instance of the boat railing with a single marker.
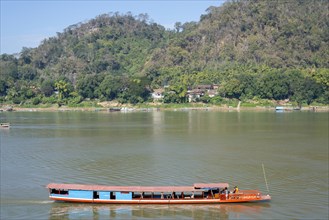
(245, 194)
(168, 195)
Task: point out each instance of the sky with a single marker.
(25, 23)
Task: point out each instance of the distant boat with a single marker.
(114, 109)
(5, 125)
(283, 108)
(199, 193)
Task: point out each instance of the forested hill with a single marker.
(282, 33)
(110, 43)
(123, 57)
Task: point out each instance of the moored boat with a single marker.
(4, 125)
(199, 193)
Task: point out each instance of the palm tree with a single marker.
(62, 88)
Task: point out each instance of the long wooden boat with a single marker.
(199, 193)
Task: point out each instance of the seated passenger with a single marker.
(236, 189)
(224, 191)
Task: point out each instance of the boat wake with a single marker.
(40, 202)
(26, 202)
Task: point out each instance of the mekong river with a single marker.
(165, 148)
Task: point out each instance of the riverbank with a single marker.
(131, 108)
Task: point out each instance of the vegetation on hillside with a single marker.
(253, 49)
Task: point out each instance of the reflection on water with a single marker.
(221, 211)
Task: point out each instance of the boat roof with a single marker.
(210, 185)
(194, 188)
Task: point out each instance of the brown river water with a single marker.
(165, 148)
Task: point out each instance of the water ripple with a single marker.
(166, 148)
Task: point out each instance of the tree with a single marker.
(231, 88)
(12, 93)
(87, 85)
(178, 26)
(62, 88)
(305, 90)
(138, 89)
(176, 94)
(171, 97)
(26, 55)
(3, 87)
(273, 85)
(27, 72)
(8, 67)
(110, 87)
(47, 87)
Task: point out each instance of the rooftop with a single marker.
(194, 188)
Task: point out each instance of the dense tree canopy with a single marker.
(252, 49)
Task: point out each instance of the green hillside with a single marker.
(252, 49)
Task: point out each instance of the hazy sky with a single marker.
(25, 23)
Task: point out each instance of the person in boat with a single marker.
(225, 191)
(236, 189)
(209, 196)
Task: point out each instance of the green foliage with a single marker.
(171, 97)
(205, 99)
(274, 85)
(17, 100)
(135, 90)
(252, 49)
(47, 88)
(36, 101)
(62, 88)
(49, 100)
(216, 100)
(76, 99)
(110, 87)
(3, 87)
(87, 85)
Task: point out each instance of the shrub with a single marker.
(36, 101)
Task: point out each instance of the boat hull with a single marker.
(5, 125)
(161, 201)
